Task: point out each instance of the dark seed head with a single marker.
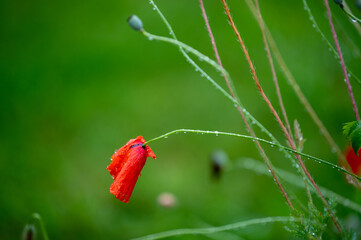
(135, 22)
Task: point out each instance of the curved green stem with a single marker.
(37, 217)
(319, 160)
(233, 226)
(353, 17)
(187, 48)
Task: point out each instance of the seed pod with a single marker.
(135, 22)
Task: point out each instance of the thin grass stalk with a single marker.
(250, 130)
(342, 62)
(277, 117)
(291, 80)
(274, 75)
(275, 80)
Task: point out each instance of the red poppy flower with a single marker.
(353, 160)
(126, 165)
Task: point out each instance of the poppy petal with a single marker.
(126, 166)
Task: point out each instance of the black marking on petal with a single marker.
(136, 145)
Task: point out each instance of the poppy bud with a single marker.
(218, 160)
(135, 23)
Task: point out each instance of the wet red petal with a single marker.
(126, 166)
(353, 160)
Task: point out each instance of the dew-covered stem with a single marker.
(218, 133)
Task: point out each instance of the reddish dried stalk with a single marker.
(269, 56)
(276, 115)
(338, 48)
(274, 76)
(266, 159)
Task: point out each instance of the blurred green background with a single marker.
(77, 83)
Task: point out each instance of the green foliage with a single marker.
(352, 130)
(314, 224)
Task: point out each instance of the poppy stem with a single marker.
(319, 160)
(187, 48)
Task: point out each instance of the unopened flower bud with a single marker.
(135, 22)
